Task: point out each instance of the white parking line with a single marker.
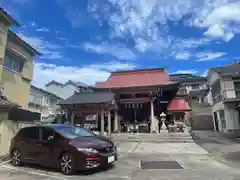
(32, 172)
(5, 162)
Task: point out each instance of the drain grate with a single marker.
(160, 165)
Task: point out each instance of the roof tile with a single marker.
(89, 98)
(137, 78)
(178, 105)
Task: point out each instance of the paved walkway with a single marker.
(220, 147)
(195, 161)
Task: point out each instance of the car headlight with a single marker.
(89, 150)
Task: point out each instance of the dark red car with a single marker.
(66, 147)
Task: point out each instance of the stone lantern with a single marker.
(163, 119)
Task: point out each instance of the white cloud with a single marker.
(33, 24)
(147, 19)
(141, 18)
(145, 22)
(113, 66)
(216, 30)
(89, 74)
(209, 56)
(119, 52)
(205, 73)
(47, 49)
(183, 55)
(44, 29)
(74, 15)
(186, 71)
(218, 16)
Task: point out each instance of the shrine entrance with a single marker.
(135, 117)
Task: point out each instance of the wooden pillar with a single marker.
(109, 122)
(102, 123)
(115, 121)
(153, 123)
(73, 118)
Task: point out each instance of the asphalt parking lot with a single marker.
(194, 163)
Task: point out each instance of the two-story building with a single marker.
(191, 85)
(67, 89)
(224, 83)
(16, 63)
(196, 91)
(43, 102)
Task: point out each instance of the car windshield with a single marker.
(74, 132)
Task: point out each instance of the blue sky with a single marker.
(83, 40)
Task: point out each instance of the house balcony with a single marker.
(229, 95)
(35, 102)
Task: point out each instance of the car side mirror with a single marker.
(50, 138)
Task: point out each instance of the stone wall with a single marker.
(202, 122)
(201, 117)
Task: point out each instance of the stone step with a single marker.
(159, 138)
(165, 139)
(166, 135)
(155, 140)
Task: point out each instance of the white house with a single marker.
(224, 84)
(191, 84)
(67, 89)
(43, 102)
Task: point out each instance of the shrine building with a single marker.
(129, 99)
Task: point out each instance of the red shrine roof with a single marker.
(136, 78)
(178, 105)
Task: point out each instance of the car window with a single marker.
(21, 133)
(46, 133)
(31, 133)
(74, 132)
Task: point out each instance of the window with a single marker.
(195, 86)
(32, 132)
(237, 85)
(36, 99)
(74, 132)
(21, 133)
(11, 62)
(46, 100)
(46, 133)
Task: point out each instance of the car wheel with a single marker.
(67, 164)
(15, 157)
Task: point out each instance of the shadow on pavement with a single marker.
(200, 141)
(233, 156)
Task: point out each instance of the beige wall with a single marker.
(8, 130)
(17, 49)
(16, 85)
(3, 40)
(16, 88)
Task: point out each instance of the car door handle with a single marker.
(38, 144)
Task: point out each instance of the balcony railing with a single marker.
(35, 100)
(227, 95)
